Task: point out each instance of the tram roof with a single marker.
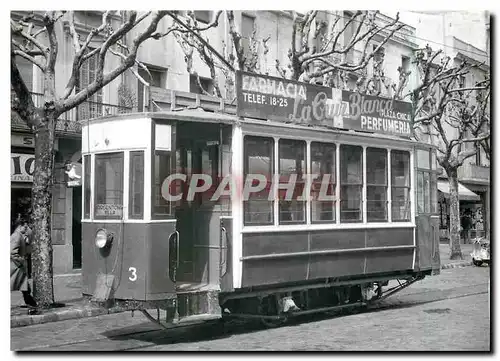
(200, 115)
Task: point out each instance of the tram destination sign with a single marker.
(282, 100)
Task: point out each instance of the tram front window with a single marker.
(136, 187)
(161, 207)
(108, 186)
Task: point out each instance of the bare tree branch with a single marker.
(22, 103)
(104, 79)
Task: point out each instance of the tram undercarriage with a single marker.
(274, 307)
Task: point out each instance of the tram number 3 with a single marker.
(133, 277)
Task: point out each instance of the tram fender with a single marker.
(104, 287)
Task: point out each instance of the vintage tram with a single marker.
(164, 230)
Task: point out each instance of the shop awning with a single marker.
(464, 194)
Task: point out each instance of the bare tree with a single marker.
(454, 114)
(26, 43)
(315, 55)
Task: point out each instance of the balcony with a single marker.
(472, 173)
(69, 122)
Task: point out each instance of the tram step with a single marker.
(198, 318)
(196, 303)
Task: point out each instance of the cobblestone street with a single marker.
(449, 312)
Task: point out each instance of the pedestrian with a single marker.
(466, 224)
(20, 248)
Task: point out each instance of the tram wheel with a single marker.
(270, 323)
(269, 307)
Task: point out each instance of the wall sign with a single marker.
(26, 141)
(377, 114)
(22, 167)
(271, 98)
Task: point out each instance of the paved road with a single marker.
(446, 312)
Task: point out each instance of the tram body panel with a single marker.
(137, 258)
(271, 258)
(427, 234)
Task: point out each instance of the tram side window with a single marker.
(136, 188)
(376, 184)
(161, 170)
(425, 176)
(259, 160)
(108, 186)
(400, 185)
(323, 163)
(351, 183)
(292, 163)
(86, 191)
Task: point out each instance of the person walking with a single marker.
(19, 250)
(466, 223)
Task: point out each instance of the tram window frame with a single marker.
(345, 184)
(295, 206)
(86, 185)
(426, 189)
(119, 156)
(322, 163)
(373, 184)
(136, 185)
(156, 187)
(397, 186)
(263, 196)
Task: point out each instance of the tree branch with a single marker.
(127, 63)
(23, 102)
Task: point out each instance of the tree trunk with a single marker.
(455, 251)
(43, 290)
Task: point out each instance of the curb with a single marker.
(86, 311)
(457, 265)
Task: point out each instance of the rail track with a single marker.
(211, 330)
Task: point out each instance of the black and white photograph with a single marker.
(250, 180)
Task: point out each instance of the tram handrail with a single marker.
(223, 254)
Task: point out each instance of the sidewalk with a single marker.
(67, 290)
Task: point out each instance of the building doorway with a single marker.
(76, 234)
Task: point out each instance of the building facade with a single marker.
(168, 72)
(463, 36)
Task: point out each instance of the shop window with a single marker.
(259, 160)
(351, 183)
(136, 187)
(161, 170)
(292, 163)
(376, 184)
(108, 186)
(400, 185)
(323, 163)
(86, 186)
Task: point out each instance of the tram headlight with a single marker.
(102, 238)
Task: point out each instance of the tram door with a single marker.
(198, 219)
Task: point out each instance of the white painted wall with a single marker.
(110, 135)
